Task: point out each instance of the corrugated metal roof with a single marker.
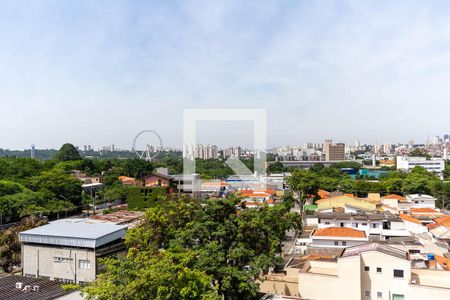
(75, 233)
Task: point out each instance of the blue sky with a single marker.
(98, 72)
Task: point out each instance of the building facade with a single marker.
(333, 151)
(68, 250)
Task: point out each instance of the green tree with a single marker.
(419, 152)
(217, 250)
(305, 183)
(56, 184)
(10, 246)
(67, 152)
(153, 275)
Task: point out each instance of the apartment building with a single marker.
(371, 271)
(232, 151)
(333, 151)
(407, 163)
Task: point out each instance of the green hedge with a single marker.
(141, 198)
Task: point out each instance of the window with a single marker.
(379, 270)
(364, 224)
(398, 273)
(367, 268)
(84, 264)
(398, 297)
(374, 225)
(344, 243)
(327, 223)
(58, 259)
(367, 293)
(379, 295)
(356, 225)
(336, 243)
(413, 251)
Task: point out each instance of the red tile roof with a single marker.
(340, 232)
(394, 196)
(443, 261)
(126, 178)
(323, 194)
(444, 221)
(251, 193)
(433, 226)
(423, 210)
(409, 218)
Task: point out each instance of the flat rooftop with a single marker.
(74, 232)
(435, 278)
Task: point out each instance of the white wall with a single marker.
(414, 227)
(65, 269)
(329, 243)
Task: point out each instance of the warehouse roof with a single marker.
(74, 232)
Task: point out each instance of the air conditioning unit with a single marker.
(36, 288)
(27, 288)
(19, 285)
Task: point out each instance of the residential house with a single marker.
(337, 237)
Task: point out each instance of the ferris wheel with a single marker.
(150, 152)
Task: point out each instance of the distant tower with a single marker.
(33, 151)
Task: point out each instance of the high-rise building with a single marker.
(33, 151)
(357, 143)
(334, 151)
(232, 151)
(387, 149)
(201, 151)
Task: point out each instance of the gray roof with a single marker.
(47, 289)
(74, 232)
(356, 250)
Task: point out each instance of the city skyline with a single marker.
(89, 73)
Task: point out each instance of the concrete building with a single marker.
(348, 204)
(371, 271)
(333, 151)
(68, 250)
(421, 201)
(232, 151)
(380, 225)
(397, 204)
(407, 163)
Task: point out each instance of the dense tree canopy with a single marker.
(10, 246)
(67, 152)
(205, 251)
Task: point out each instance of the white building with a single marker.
(371, 271)
(407, 163)
(380, 225)
(421, 201)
